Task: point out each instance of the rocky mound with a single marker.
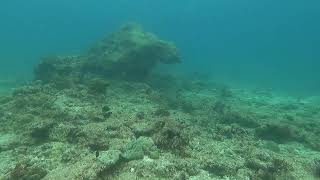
(129, 53)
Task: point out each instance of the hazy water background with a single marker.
(263, 43)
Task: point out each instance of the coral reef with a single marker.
(139, 148)
(172, 137)
(81, 118)
(129, 53)
(109, 159)
(22, 171)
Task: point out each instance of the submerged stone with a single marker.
(278, 133)
(97, 86)
(109, 158)
(129, 53)
(139, 148)
(26, 172)
(172, 137)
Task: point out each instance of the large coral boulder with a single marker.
(129, 53)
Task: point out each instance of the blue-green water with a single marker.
(243, 104)
(260, 43)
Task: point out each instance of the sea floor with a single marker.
(5, 91)
(180, 129)
(7, 86)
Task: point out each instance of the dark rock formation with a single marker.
(129, 53)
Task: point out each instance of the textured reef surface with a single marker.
(129, 54)
(108, 115)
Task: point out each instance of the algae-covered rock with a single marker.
(25, 172)
(97, 86)
(62, 71)
(172, 137)
(146, 128)
(278, 132)
(108, 159)
(129, 53)
(139, 148)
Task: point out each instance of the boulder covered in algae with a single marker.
(129, 53)
(132, 52)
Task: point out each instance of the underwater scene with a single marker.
(177, 90)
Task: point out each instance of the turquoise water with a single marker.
(202, 90)
(267, 43)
